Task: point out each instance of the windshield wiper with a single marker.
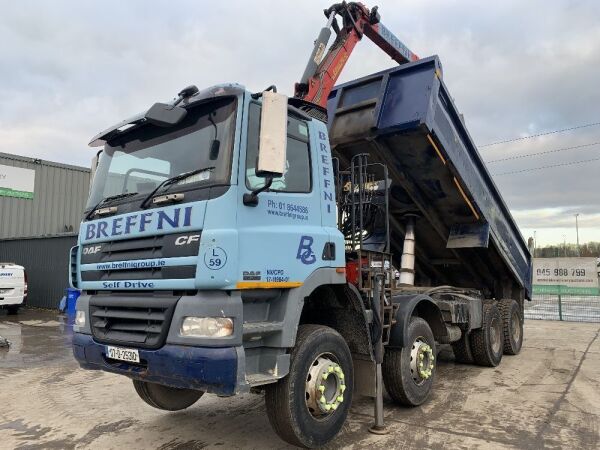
(172, 180)
(106, 200)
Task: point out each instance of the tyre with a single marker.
(487, 341)
(462, 349)
(408, 372)
(165, 397)
(12, 310)
(512, 326)
(308, 407)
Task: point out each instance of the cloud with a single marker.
(71, 69)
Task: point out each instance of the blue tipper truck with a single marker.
(233, 242)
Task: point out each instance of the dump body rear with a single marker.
(405, 117)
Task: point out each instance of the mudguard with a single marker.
(421, 305)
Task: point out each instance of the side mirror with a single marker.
(273, 135)
(272, 143)
(164, 115)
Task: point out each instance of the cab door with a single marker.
(281, 238)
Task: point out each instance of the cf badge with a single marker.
(185, 240)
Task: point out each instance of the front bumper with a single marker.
(207, 369)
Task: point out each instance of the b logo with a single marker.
(305, 252)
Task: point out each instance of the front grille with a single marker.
(131, 320)
(149, 247)
(73, 266)
(155, 273)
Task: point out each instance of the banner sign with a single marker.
(571, 276)
(16, 182)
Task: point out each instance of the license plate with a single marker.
(123, 354)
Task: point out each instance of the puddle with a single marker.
(36, 337)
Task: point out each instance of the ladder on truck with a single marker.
(363, 218)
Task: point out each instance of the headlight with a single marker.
(212, 327)
(80, 318)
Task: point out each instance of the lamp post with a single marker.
(577, 231)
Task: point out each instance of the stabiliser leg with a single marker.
(378, 427)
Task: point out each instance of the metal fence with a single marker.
(573, 308)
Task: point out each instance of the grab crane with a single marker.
(325, 65)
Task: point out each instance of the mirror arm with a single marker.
(251, 199)
(258, 95)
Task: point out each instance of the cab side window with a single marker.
(297, 176)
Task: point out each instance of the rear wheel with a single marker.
(12, 310)
(408, 372)
(512, 325)
(165, 397)
(487, 341)
(462, 349)
(308, 407)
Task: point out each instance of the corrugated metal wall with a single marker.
(46, 261)
(60, 194)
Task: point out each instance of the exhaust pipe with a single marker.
(407, 262)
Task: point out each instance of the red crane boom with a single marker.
(323, 70)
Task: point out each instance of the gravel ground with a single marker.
(547, 397)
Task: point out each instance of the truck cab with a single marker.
(200, 275)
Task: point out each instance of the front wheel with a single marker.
(408, 372)
(165, 397)
(308, 407)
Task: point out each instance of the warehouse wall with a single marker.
(60, 194)
(46, 261)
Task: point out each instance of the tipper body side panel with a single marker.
(405, 117)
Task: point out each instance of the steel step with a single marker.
(251, 328)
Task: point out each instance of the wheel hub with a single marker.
(421, 361)
(516, 326)
(495, 333)
(325, 386)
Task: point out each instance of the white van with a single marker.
(13, 287)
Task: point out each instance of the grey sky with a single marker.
(70, 69)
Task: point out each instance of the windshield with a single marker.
(137, 162)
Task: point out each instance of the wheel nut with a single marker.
(340, 398)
